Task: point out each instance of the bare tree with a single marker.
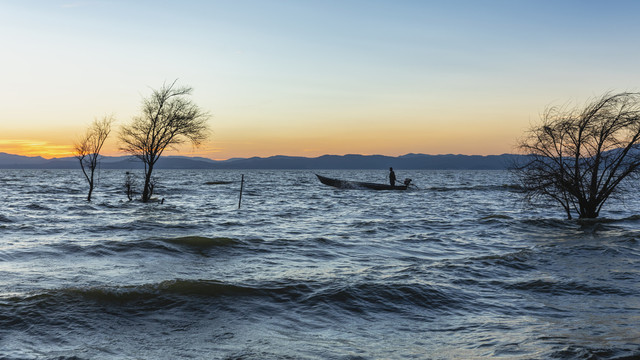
(169, 118)
(580, 157)
(87, 149)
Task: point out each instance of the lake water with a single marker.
(459, 268)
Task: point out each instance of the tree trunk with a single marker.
(92, 168)
(90, 191)
(146, 192)
(589, 212)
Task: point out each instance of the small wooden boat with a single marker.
(344, 184)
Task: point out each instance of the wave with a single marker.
(202, 242)
(384, 297)
(503, 187)
(518, 260)
(152, 292)
(74, 306)
(158, 293)
(495, 218)
(632, 218)
(36, 206)
(218, 182)
(552, 223)
(628, 352)
(180, 244)
(563, 222)
(564, 288)
(170, 246)
(141, 223)
(81, 208)
(192, 294)
(603, 220)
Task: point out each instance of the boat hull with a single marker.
(344, 184)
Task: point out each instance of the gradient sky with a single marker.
(301, 77)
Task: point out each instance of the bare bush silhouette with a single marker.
(129, 185)
(580, 157)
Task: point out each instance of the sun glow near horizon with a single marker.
(32, 147)
(242, 144)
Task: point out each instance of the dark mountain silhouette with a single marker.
(409, 161)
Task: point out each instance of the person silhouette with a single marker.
(392, 177)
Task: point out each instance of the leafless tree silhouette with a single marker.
(580, 157)
(87, 149)
(169, 118)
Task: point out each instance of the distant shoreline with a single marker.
(338, 162)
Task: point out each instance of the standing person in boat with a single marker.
(392, 177)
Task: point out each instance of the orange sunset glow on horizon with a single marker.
(234, 143)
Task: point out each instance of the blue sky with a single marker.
(312, 77)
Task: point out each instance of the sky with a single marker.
(308, 78)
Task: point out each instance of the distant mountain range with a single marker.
(409, 161)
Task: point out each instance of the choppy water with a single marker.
(457, 269)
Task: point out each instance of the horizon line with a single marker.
(264, 157)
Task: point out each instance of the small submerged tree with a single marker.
(169, 118)
(87, 149)
(129, 185)
(580, 157)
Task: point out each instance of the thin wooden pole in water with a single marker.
(241, 186)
